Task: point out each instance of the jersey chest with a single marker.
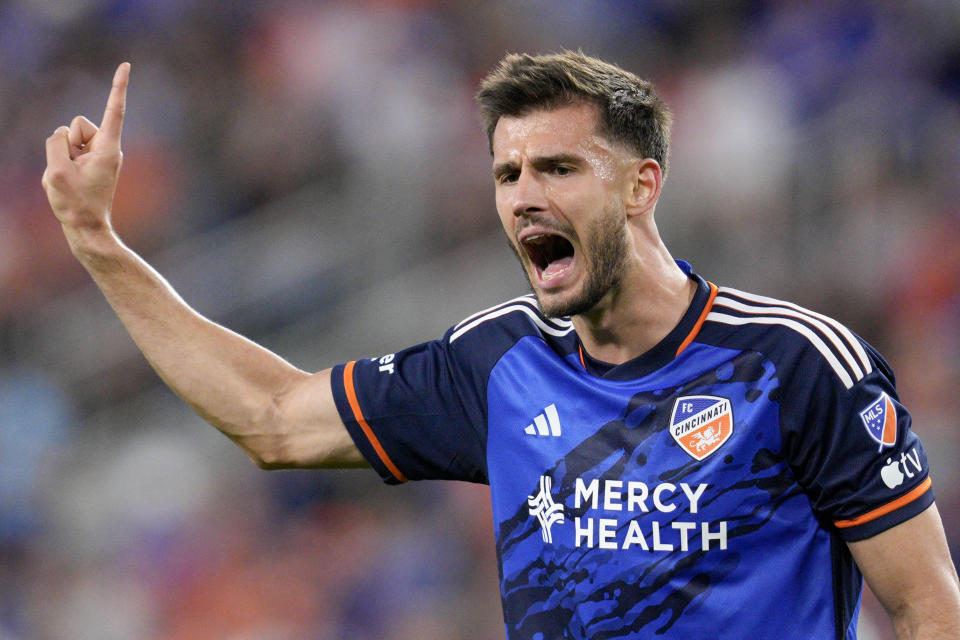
(609, 493)
(642, 462)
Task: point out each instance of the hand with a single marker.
(83, 163)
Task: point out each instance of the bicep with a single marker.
(313, 435)
(909, 569)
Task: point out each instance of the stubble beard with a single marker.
(605, 260)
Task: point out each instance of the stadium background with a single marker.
(312, 174)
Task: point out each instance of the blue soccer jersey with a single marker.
(703, 490)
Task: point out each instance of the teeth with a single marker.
(537, 239)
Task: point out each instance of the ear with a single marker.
(645, 180)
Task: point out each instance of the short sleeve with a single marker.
(853, 449)
(407, 413)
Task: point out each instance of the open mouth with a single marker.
(550, 254)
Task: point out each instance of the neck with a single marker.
(642, 309)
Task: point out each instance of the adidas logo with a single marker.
(545, 424)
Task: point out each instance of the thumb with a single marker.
(58, 149)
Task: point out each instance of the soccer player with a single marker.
(667, 457)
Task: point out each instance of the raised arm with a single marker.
(909, 569)
(281, 416)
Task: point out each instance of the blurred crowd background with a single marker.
(313, 175)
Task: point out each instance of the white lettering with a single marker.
(584, 532)
(685, 529)
(386, 363)
(608, 497)
(903, 461)
(608, 533)
(583, 492)
(694, 497)
(634, 499)
(657, 545)
(659, 537)
(612, 496)
(635, 536)
(914, 458)
(720, 536)
(661, 488)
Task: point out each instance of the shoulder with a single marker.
(510, 320)
(481, 339)
(792, 336)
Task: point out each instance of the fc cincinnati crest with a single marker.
(700, 424)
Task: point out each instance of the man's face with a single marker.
(559, 188)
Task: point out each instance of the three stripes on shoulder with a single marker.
(837, 344)
(840, 348)
(524, 304)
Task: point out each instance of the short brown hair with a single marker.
(631, 112)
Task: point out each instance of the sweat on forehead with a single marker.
(563, 129)
(565, 135)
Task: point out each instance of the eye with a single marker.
(508, 177)
(561, 170)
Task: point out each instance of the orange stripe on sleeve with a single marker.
(907, 498)
(703, 316)
(358, 416)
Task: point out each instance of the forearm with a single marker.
(231, 382)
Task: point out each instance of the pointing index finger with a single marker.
(112, 123)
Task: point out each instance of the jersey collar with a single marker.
(668, 348)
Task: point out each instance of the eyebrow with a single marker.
(540, 162)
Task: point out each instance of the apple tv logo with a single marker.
(896, 471)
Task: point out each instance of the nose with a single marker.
(528, 194)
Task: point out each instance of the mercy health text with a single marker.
(631, 496)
